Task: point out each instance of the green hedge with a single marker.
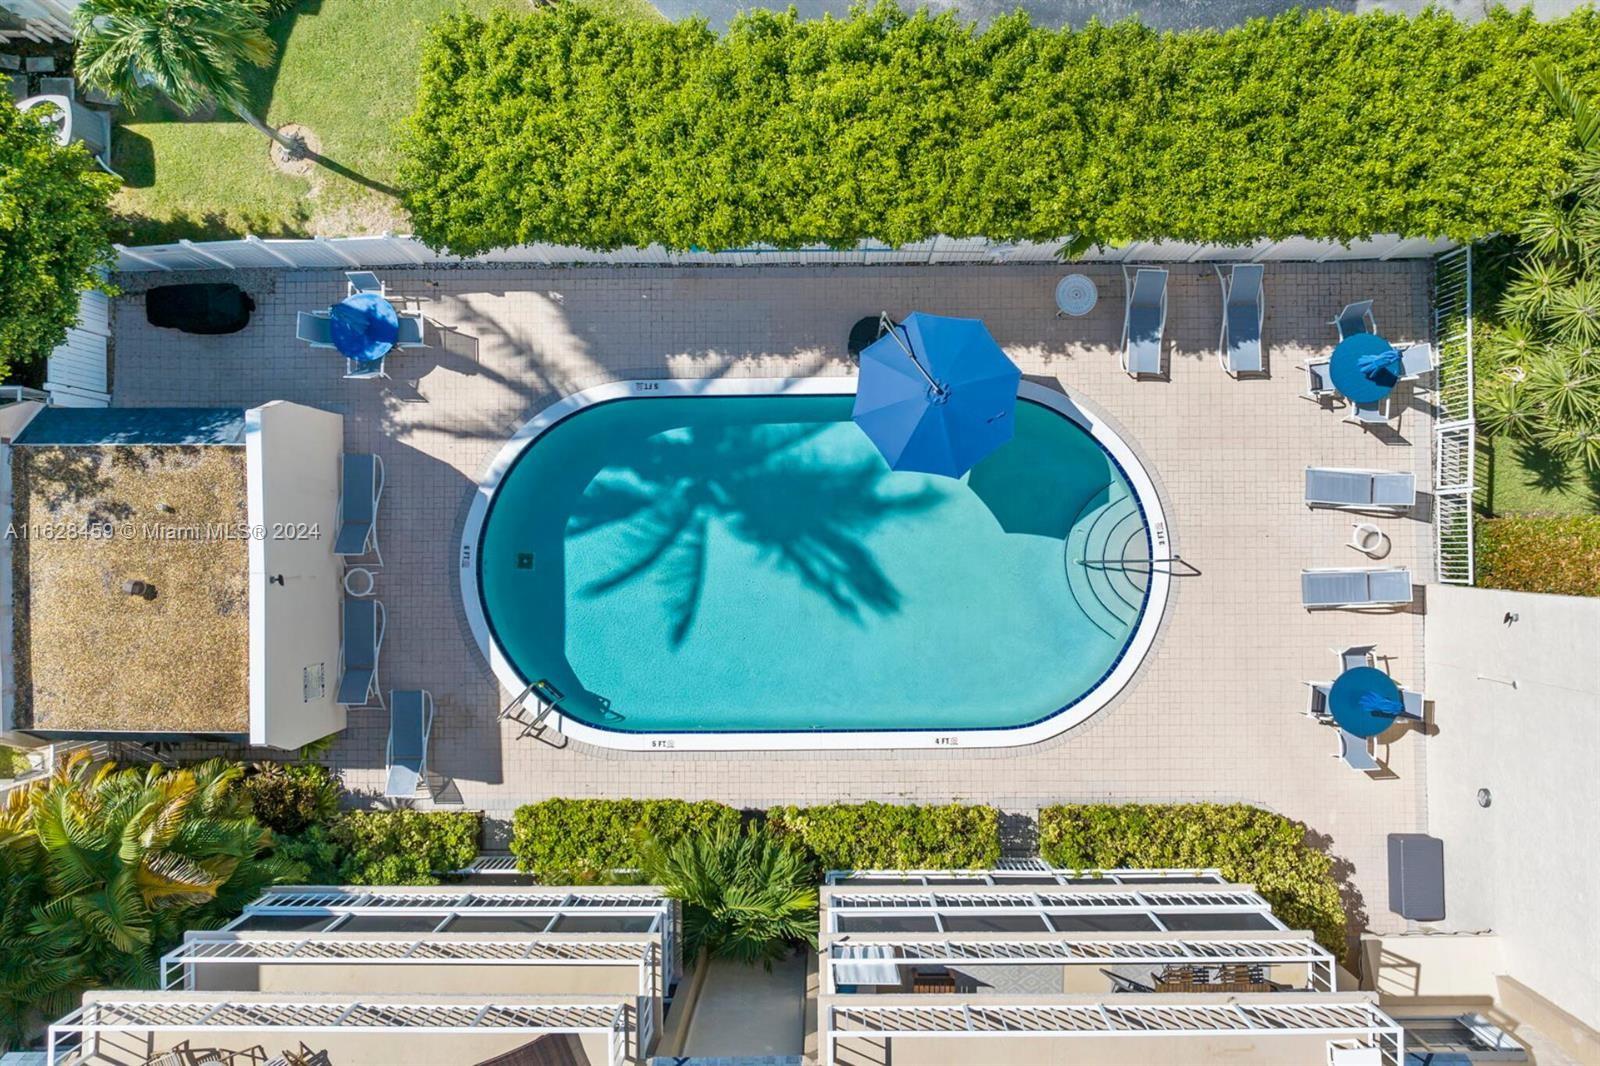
(561, 125)
(404, 847)
(1533, 554)
(1247, 844)
(583, 840)
(883, 836)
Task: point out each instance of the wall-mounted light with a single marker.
(1484, 799)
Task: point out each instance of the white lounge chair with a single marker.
(1360, 490)
(359, 647)
(1317, 700)
(1352, 657)
(1370, 414)
(410, 335)
(1144, 320)
(1319, 382)
(1356, 587)
(363, 281)
(314, 327)
(1417, 360)
(1356, 752)
(410, 725)
(1355, 318)
(1244, 311)
(360, 489)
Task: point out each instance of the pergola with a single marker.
(1027, 872)
(944, 903)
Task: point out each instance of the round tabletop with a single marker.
(365, 326)
(1346, 369)
(1076, 295)
(1344, 701)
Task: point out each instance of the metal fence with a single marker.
(1455, 433)
(340, 253)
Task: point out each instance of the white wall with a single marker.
(292, 457)
(1517, 709)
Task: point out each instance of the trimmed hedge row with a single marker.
(1534, 554)
(565, 126)
(400, 847)
(583, 840)
(1247, 844)
(883, 836)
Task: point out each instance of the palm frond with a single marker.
(1585, 117)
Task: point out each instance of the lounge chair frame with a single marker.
(382, 625)
(1373, 479)
(1368, 573)
(369, 545)
(1230, 290)
(1131, 284)
(427, 735)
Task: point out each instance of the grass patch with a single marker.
(347, 69)
(1521, 478)
(1540, 554)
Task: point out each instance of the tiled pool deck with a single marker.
(1215, 715)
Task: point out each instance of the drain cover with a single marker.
(524, 560)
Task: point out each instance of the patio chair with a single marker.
(314, 327)
(1355, 587)
(1356, 752)
(410, 332)
(410, 725)
(1411, 704)
(354, 371)
(1144, 320)
(1355, 318)
(1350, 658)
(1360, 490)
(360, 489)
(1370, 414)
(1319, 384)
(359, 645)
(1416, 360)
(1244, 310)
(363, 281)
(1317, 700)
(1119, 983)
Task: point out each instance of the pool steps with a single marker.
(1108, 561)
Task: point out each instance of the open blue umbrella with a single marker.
(365, 326)
(936, 394)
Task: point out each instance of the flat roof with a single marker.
(134, 426)
(92, 657)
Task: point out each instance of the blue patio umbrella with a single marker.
(1364, 367)
(936, 394)
(1365, 701)
(365, 326)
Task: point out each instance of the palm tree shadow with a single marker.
(762, 486)
(1554, 473)
(350, 175)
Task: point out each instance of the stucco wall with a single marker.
(292, 454)
(372, 978)
(1517, 710)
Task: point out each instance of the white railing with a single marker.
(1455, 436)
(388, 250)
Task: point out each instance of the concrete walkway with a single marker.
(747, 1011)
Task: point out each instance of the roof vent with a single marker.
(142, 589)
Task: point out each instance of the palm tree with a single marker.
(193, 52)
(746, 896)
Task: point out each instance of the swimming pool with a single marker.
(731, 564)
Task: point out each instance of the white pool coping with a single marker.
(1093, 701)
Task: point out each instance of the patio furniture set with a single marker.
(364, 327)
(363, 622)
(1361, 703)
(1227, 977)
(1364, 368)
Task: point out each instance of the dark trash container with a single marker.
(1416, 876)
(205, 309)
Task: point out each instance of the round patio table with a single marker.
(1344, 701)
(365, 327)
(1076, 295)
(1346, 369)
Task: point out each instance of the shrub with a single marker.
(564, 126)
(584, 840)
(1247, 844)
(1559, 555)
(404, 847)
(883, 836)
(312, 856)
(288, 798)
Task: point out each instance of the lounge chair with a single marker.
(360, 489)
(1355, 318)
(410, 725)
(1350, 658)
(1319, 383)
(1416, 360)
(1144, 321)
(1411, 704)
(1356, 587)
(1317, 700)
(314, 327)
(1370, 414)
(362, 640)
(363, 281)
(1360, 490)
(354, 371)
(1356, 752)
(410, 332)
(1244, 310)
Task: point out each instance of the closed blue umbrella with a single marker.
(936, 394)
(1365, 368)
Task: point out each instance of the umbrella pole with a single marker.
(891, 328)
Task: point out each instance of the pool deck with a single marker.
(1217, 712)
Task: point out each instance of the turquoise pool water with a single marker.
(751, 564)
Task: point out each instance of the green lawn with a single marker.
(348, 70)
(1523, 479)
